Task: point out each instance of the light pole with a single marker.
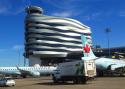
(107, 30)
(24, 55)
(18, 57)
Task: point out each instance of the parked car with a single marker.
(7, 81)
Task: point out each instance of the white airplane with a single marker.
(34, 71)
(102, 64)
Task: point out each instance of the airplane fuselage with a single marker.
(104, 63)
(20, 70)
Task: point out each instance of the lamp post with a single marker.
(107, 30)
(18, 57)
(24, 55)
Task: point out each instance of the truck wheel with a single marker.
(84, 80)
(55, 80)
(100, 73)
(79, 79)
(76, 80)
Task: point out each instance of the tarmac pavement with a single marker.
(47, 83)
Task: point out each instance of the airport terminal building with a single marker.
(50, 39)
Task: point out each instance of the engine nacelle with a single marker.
(35, 74)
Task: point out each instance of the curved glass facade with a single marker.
(52, 36)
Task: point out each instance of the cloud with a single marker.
(62, 4)
(3, 9)
(62, 14)
(13, 48)
(17, 47)
(122, 13)
(92, 16)
(67, 8)
(2, 50)
(12, 7)
(96, 14)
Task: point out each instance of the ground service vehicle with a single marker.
(7, 81)
(76, 71)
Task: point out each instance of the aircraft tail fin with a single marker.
(87, 51)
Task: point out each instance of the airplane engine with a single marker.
(35, 74)
(121, 70)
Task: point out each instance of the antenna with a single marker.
(28, 4)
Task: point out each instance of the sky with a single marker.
(97, 14)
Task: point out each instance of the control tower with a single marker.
(49, 38)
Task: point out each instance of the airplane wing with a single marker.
(28, 72)
(118, 69)
(97, 58)
(22, 71)
(90, 58)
